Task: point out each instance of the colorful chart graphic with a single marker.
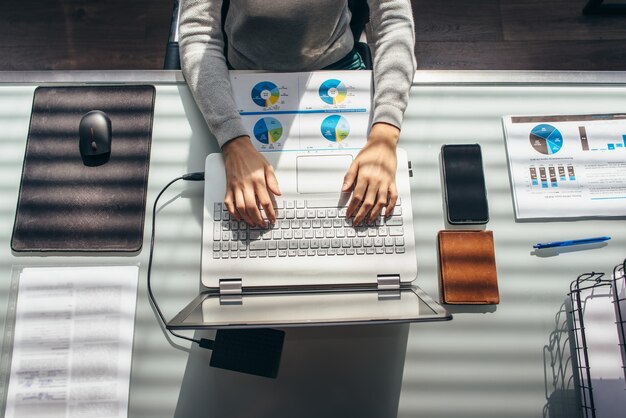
(268, 130)
(265, 94)
(335, 128)
(546, 139)
(333, 91)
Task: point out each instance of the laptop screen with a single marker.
(310, 308)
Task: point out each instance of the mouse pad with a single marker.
(66, 204)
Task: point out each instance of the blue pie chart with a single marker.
(546, 139)
(335, 128)
(265, 94)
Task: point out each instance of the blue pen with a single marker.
(570, 242)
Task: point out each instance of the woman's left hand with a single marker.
(372, 176)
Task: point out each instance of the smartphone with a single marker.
(464, 184)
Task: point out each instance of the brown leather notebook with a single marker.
(467, 268)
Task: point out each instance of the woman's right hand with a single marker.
(250, 182)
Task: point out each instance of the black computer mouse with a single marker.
(95, 135)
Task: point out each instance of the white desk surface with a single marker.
(481, 364)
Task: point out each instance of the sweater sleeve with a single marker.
(204, 67)
(392, 36)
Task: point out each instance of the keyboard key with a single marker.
(322, 203)
(282, 253)
(217, 211)
(290, 204)
(300, 204)
(399, 250)
(395, 231)
(291, 253)
(300, 213)
(394, 221)
(389, 241)
(257, 245)
(301, 253)
(399, 241)
(272, 253)
(360, 251)
(217, 232)
(293, 245)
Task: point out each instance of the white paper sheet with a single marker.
(567, 166)
(324, 110)
(73, 342)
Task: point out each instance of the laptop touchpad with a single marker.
(322, 173)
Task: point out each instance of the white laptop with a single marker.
(311, 243)
(310, 127)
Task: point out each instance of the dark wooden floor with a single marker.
(450, 34)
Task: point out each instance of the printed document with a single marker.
(567, 166)
(323, 110)
(73, 342)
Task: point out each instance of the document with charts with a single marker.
(567, 166)
(324, 110)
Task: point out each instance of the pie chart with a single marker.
(546, 139)
(335, 128)
(265, 94)
(333, 91)
(268, 130)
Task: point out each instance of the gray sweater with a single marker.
(290, 35)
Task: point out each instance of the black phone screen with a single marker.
(464, 184)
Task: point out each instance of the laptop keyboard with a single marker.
(306, 228)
